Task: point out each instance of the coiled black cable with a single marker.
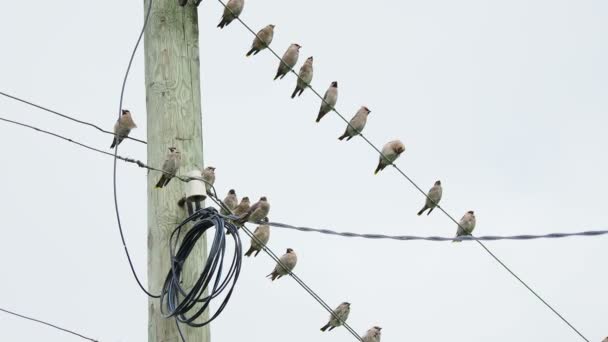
(187, 305)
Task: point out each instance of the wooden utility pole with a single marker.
(173, 106)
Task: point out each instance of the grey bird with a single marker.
(372, 335)
(304, 79)
(357, 123)
(286, 264)
(433, 198)
(329, 100)
(257, 212)
(262, 40)
(243, 207)
(122, 127)
(170, 167)
(289, 60)
(262, 235)
(233, 9)
(208, 176)
(466, 225)
(339, 316)
(230, 201)
(390, 152)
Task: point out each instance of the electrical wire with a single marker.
(180, 303)
(49, 324)
(13, 97)
(398, 169)
(114, 181)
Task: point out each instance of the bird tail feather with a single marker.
(295, 92)
(250, 52)
(325, 327)
(250, 251)
(422, 210)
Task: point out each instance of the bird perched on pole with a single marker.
(123, 127)
(357, 123)
(372, 335)
(390, 152)
(262, 40)
(261, 237)
(170, 167)
(304, 79)
(230, 201)
(433, 198)
(466, 225)
(338, 317)
(286, 264)
(208, 176)
(257, 212)
(289, 60)
(233, 9)
(329, 100)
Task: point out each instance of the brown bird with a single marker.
(329, 100)
(372, 335)
(123, 127)
(170, 167)
(232, 10)
(466, 225)
(339, 316)
(357, 123)
(286, 264)
(390, 152)
(433, 198)
(262, 40)
(230, 201)
(257, 212)
(262, 235)
(243, 207)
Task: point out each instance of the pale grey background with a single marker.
(505, 102)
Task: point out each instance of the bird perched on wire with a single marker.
(287, 262)
(262, 235)
(372, 335)
(123, 127)
(329, 100)
(243, 207)
(357, 123)
(305, 77)
(208, 175)
(433, 198)
(289, 60)
(390, 152)
(230, 201)
(233, 9)
(170, 167)
(262, 40)
(338, 317)
(256, 212)
(466, 225)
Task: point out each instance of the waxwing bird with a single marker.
(262, 235)
(262, 40)
(170, 167)
(286, 264)
(466, 225)
(357, 123)
(289, 60)
(390, 152)
(433, 198)
(329, 100)
(208, 176)
(122, 127)
(257, 212)
(372, 335)
(233, 9)
(230, 201)
(243, 207)
(339, 316)
(304, 79)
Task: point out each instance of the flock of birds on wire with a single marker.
(258, 212)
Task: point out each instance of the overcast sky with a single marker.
(504, 102)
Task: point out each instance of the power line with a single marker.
(48, 324)
(116, 208)
(397, 167)
(65, 116)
